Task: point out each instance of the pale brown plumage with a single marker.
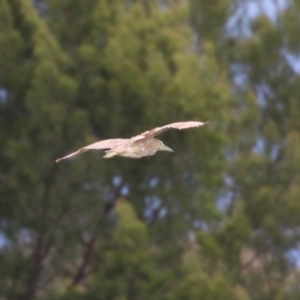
(138, 146)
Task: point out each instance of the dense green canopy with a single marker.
(219, 219)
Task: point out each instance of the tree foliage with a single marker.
(216, 220)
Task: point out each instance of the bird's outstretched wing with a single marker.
(105, 144)
(177, 125)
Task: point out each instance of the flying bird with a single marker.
(138, 146)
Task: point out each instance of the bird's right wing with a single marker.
(177, 125)
(105, 144)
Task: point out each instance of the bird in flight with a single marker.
(138, 146)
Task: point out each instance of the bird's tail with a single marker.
(109, 154)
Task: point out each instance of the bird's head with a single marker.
(163, 147)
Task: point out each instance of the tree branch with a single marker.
(90, 245)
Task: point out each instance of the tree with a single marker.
(218, 219)
(122, 69)
(263, 165)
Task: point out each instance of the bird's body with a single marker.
(138, 146)
(137, 149)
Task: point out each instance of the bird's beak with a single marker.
(166, 148)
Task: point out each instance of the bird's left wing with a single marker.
(177, 125)
(105, 144)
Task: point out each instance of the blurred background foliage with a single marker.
(219, 219)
